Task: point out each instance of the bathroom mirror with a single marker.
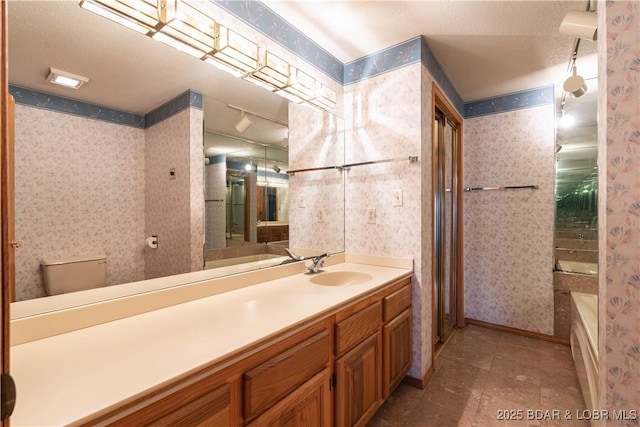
(577, 183)
(133, 73)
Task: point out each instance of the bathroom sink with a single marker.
(341, 278)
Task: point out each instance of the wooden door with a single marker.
(7, 264)
(358, 383)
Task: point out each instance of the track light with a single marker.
(275, 168)
(575, 85)
(580, 24)
(243, 124)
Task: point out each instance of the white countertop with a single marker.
(69, 377)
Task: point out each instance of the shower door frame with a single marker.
(440, 102)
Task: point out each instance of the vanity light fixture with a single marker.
(325, 98)
(273, 70)
(234, 50)
(190, 29)
(185, 27)
(301, 84)
(139, 15)
(66, 79)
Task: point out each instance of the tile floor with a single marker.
(482, 372)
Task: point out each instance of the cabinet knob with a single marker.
(15, 243)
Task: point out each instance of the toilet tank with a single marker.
(62, 276)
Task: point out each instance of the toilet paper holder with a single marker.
(152, 242)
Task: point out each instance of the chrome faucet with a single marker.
(292, 255)
(316, 263)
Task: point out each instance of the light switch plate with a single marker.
(397, 198)
(320, 215)
(371, 216)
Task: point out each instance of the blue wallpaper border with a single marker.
(509, 102)
(60, 104)
(47, 101)
(187, 99)
(400, 55)
(391, 58)
(257, 15)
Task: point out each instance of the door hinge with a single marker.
(8, 396)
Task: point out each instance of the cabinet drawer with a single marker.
(355, 329)
(197, 404)
(268, 382)
(309, 405)
(397, 302)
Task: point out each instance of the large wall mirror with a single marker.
(86, 187)
(577, 184)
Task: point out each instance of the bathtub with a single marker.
(584, 344)
(577, 267)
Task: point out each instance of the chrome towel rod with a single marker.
(412, 159)
(512, 187)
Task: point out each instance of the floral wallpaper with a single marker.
(316, 201)
(79, 191)
(508, 235)
(619, 206)
(384, 114)
(171, 207)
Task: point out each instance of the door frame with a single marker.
(7, 260)
(440, 101)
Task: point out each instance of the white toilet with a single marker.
(74, 274)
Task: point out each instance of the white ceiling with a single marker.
(487, 48)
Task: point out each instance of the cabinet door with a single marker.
(396, 343)
(358, 383)
(308, 405)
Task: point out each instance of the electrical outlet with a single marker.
(371, 216)
(397, 198)
(301, 202)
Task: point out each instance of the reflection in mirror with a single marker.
(95, 187)
(246, 202)
(577, 186)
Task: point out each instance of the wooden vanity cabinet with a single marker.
(373, 353)
(335, 370)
